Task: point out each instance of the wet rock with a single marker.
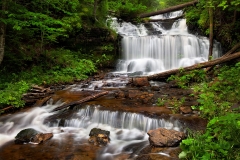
(99, 137)
(140, 82)
(119, 94)
(162, 137)
(156, 153)
(186, 110)
(32, 135)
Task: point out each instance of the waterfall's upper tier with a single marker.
(159, 46)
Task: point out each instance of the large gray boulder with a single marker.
(162, 137)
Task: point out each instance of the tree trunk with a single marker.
(2, 31)
(210, 31)
(227, 54)
(165, 20)
(220, 60)
(170, 9)
(82, 100)
(235, 47)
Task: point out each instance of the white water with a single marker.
(159, 48)
(125, 128)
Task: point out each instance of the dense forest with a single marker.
(46, 42)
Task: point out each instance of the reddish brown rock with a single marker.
(42, 137)
(140, 81)
(162, 137)
(186, 110)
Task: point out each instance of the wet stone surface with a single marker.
(129, 99)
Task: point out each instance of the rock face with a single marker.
(32, 135)
(99, 137)
(162, 137)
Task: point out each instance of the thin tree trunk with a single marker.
(210, 31)
(220, 60)
(2, 31)
(170, 9)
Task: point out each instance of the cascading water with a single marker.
(143, 52)
(125, 128)
(160, 46)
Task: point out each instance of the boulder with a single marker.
(140, 82)
(162, 137)
(185, 110)
(99, 137)
(31, 135)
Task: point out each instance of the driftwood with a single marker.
(36, 93)
(42, 101)
(88, 98)
(170, 9)
(165, 20)
(220, 60)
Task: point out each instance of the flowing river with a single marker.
(146, 49)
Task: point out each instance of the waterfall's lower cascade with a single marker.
(125, 128)
(159, 46)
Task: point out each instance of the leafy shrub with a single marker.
(12, 94)
(63, 68)
(216, 97)
(183, 79)
(220, 141)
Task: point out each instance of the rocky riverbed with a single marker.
(126, 95)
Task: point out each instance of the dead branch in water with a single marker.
(97, 95)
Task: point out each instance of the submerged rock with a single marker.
(162, 137)
(31, 135)
(99, 137)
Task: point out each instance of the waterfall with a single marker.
(160, 46)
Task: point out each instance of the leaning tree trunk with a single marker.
(214, 62)
(210, 31)
(170, 9)
(2, 31)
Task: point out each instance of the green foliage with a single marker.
(216, 97)
(127, 9)
(11, 94)
(62, 66)
(220, 141)
(183, 79)
(173, 103)
(226, 23)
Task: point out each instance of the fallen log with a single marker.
(165, 20)
(232, 50)
(97, 95)
(170, 9)
(235, 47)
(220, 60)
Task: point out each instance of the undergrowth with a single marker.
(61, 66)
(216, 97)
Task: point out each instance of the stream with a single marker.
(128, 112)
